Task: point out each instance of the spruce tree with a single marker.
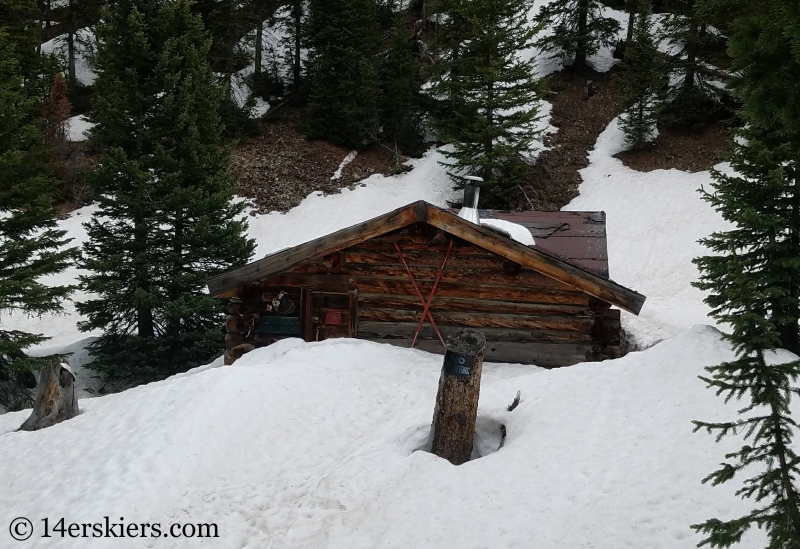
(642, 82)
(754, 278)
(401, 107)
(579, 29)
(165, 221)
(754, 284)
(342, 85)
(489, 95)
(695, 45)
(31, 245)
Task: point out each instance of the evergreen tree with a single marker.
(754, 277)
(579, 29)
(228, 22)
(165, 221)
(754, 282)
(489, 95)
(401, 108)
(31, 247)
(695, 45)
(293, 20)
(342, 81)
(642, 82)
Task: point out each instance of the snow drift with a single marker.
(313, 445)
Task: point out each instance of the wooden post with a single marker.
(453, 429)
(55, 398)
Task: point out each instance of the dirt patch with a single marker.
(280, 167)
(580, 113)
(697, 152)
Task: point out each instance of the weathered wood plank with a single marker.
(319, 282)
(422, 259)
(339, 240)
(546, 355)
(531, 257)
(468, 319)
(387, 242)
(469, 305)
(395, 286)
(524, 279)
(405, 330)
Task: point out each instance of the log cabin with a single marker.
(414, 275)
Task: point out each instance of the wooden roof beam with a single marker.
(548, 265)
(285, 259)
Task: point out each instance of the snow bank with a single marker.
(313, 445)
(654, 221)
(319, 215)
(78, 128)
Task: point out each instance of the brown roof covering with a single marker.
(577, 237)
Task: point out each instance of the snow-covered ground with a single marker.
(78, 128)
(316, 445)
(654, 221)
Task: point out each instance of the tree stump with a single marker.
(456, 410)
(55, 398)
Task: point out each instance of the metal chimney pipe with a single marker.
(472, 192)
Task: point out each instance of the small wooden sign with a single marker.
(333, 318)
(457, 364)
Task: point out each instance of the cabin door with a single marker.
(330, 314)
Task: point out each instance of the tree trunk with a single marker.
(259, 46)
(631, 22)
(691, 59)
(145, 324)
(71, 77)
(580, 51)
(786, 479)
(790, 333)
(456, 411)
(298, 20)
(55, 398)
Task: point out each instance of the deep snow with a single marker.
(313, 445)
(654, 221)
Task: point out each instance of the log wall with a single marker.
(526, 317)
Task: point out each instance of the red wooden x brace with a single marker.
(426, 304)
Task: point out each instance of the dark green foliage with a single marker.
(489, 97)
(579, 29)
(642, 82)
(401, 106)
(165, 221)
(696, 44)
(344, 97)
(754, 278)
(227, 22)
(31, 246)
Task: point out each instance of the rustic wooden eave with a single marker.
(421, 211)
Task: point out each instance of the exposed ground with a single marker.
(280, 167)
(686, 152)
(580, 118)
